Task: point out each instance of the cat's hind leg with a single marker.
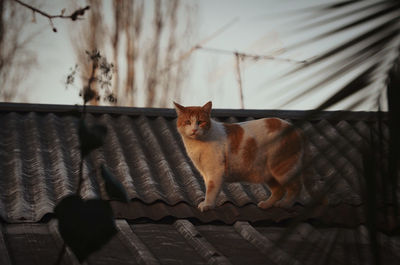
(284, 166)
(277, 192)
(292, 191)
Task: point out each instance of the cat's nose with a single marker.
(194, 130)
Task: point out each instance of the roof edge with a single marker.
(255, 113)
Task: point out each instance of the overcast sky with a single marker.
(255, 28)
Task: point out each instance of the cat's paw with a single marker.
(264, 204)
(205, 207)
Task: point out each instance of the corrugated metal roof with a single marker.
(183, 242)
(39, 160)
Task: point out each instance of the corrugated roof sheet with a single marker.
(39, 160)
(183, 242)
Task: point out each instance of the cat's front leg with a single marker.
(213, 187)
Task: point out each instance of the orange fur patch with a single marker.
(235, 135)
(287, 154)
(245, 171)
(254, 177)
(249, 151)
(273, 124)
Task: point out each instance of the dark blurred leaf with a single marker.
(88, 94)
(301, 26)
(114, 187)
(387, 31)
(80, 12)
(91, 137)
(85, 226)
(356, 85)
(339, 4)
(391, 6)
(368, 33)
(393, 94)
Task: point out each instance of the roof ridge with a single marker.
(166, 112)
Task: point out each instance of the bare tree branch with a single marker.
(74, 16)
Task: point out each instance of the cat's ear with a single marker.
(179, 108)
(207, 107)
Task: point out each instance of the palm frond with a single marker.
(355, 46)
(354, 38)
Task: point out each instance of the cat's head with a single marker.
(193, 122)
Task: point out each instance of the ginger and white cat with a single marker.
(267, 151)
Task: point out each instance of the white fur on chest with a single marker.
(207, 154)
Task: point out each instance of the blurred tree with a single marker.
(15, 58)
(128, 22)
(149, 66)
(90, 35)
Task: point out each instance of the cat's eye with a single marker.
(201, 123)
(187, 122)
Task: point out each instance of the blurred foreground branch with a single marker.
(98, 84)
